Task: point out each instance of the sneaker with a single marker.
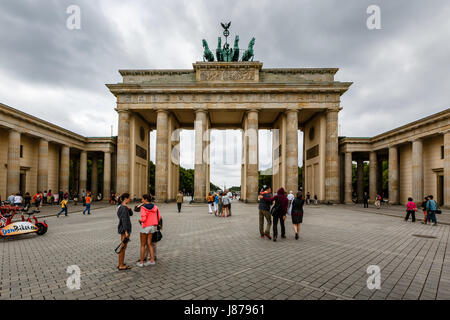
(149, 263)
(262, 237)
(274, 239)
(268, 236)
(434, 224)
(140, 265)
(283, 236)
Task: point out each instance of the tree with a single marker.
(187, 180)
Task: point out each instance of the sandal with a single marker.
(126, 268)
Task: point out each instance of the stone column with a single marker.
(42, 174)
(417, 170)
(331, 157)
(348, 178)
(292, 151)
(161, 167)
(373, 172)
(446, 194)
(83, 172)
(200, 165)
(107, 176)
(94, 176)
(123, 152)
(64, 169)
(360, 179)
(252, 165)
(393, 176)
(13, 175)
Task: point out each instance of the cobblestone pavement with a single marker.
(205, 257)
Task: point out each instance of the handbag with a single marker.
(157, 235)
(438, 211)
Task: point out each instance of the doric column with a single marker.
(162, 146)
(292, 151)
(94, 175)
(200, 165)
(417, 170)
(64, 169)
(252, 164)
(42, 174)
(83, 171)
(373, 170)
(447, 169)
(393, 176)
(123, 152)
(331, 157)
(360, 179)
(107, 175)
(348, 178)
(13, 175)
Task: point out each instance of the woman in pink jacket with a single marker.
(150, 217)
(411, 209)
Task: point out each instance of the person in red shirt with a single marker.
(411, 209)
(37, 198)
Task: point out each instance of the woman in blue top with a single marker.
(216, 203)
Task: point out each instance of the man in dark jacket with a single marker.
(366, 200)
(264, 212)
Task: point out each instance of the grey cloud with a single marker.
(400, 73)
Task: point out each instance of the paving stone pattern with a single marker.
(205, 257)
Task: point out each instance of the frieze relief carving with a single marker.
(227, 75)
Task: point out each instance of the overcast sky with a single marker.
(400, 73)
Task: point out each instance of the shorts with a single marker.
(147, 230)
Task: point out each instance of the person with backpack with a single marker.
(411, 210)
(378, 201)
(424, 209)
(264, 212)
(278, 212)
(37, 200)
(431, 210)
(150, 219)
(124, 228)
(210, 200)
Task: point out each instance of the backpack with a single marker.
(276, 209)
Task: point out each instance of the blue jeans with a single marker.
(63, 210)
(88, 208)
(431, 216)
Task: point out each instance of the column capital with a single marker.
(445, 132)
(393, 146)
(330, 110)
(160, 110)
(252, 110)
(288, 110)
(200, 110)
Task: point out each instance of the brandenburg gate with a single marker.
(229, 94)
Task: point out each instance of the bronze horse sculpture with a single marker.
(249, 54)
(235, 56)
(207, 54)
